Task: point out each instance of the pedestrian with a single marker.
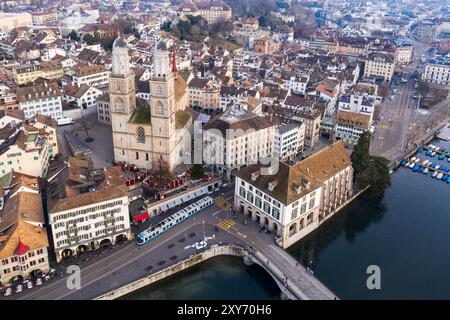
(296, 264)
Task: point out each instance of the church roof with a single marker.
(141, 115)
(162, 45)
(180, 88)
(119, 43)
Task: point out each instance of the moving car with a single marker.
(200, 245)
(65, 121)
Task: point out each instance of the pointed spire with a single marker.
(174, 62)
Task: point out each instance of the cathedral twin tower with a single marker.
(145, 132)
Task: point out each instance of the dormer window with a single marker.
(272, 185)
(298, 188)
(255, 175)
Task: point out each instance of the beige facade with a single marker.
(84, 219)
(9, 21)
(43, 18)
(49, 125)
(148, 132)
(23, 244)
(29, 73)
(212, 11)
(404, 54)
(204, 94)
(379, 65)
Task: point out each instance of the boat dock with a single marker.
(437, 169)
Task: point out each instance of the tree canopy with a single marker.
(197, 171)
(368, 169)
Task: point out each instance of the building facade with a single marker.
(294, 200)
(148, 132)
(237, 138)
(438, 73)
(379, 65)
(28, 73)
(93, 210)
(23, 244)
(289, 140)
(40, 99)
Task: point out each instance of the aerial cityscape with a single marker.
(224, 150)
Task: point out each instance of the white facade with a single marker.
(88, 98)
(289, 140)
(98, 79)
(88, 225)
(296, 84)
(295, 199)
(49, 106)
(357, 103)
(277, 216)
(437, 73)
(30, 158)
(238, 147)
(9, 21)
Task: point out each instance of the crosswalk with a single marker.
(226, 223)
(220, 202)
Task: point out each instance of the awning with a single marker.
(141, 217)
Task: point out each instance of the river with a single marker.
(406, 234)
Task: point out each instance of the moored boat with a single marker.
(425, 170)
(439, 176)
(434, 174)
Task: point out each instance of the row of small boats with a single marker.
(428, 166)
(433, 150)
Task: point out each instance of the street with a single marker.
(401, 123)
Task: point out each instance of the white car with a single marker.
(38, 281)
(8, 292)
(19, 288)
(200, 245)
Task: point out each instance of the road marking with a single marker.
(220, 202)
(226, 224)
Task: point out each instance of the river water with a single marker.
(406, 234)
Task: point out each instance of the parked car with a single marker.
(38, 281)
(29, 285)
(8, 292)
(19, 288)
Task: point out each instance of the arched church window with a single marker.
(140, 135)
(159, 108)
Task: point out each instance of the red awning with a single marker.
(141, 217)
(21, 249)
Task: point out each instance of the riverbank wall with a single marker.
(214, 251)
